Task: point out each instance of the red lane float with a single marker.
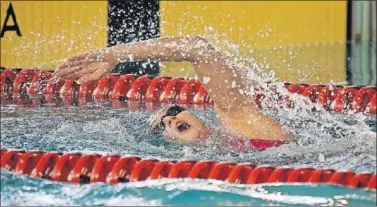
(139, 89)
(240, 173)
(181, 169)
(172, 91)
(201, 169)
(281, 175)
(86, 92)
(362, 98)
(27, 162)
(313, 92)
(105, 86)
(45, 165)
(51, 91)
(122, 170)
(134, 92)
(2, 151)
(112, 169)
(102, 168)
(69, 92)
(327, 95)
(202, 97)
(301, 175)
(122, 86)
(156, 87)
(161, 170)
(82, 171)
(344, 99)
(6, 81)
(297, 88)
(142, 170)
(9, 160)
(154, 91)
(188, 91)
(372, 105)
(22, 83)
(38, 83)
(64, 166)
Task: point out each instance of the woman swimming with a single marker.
(237, 112)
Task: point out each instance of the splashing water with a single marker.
(321, 140)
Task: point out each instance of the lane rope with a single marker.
(112, 169)
(32, 87)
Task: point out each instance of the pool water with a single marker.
(322, 140)
(21, 190)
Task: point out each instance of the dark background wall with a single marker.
(132, 21)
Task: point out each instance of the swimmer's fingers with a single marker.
(86, 69)
(78, 74)
(96, 75)
(66, 66)
(60, 68)
(65, 73)
(78, 57)
(75, 75)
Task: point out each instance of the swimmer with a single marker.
(237, 113)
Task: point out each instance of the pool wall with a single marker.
(307, 39)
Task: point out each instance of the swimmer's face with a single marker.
(180, 125)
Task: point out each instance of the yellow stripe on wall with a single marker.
(52, 31)
(301, 41)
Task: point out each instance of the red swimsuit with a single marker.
(257, 144)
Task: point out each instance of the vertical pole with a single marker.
(356, 43)
(349, 43)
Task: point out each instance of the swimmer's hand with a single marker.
(88, 66)
(155, 119)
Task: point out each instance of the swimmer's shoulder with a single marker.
(250, 123)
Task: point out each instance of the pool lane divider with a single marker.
(113, 169)
(32, 87)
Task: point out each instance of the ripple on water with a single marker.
(342, 142)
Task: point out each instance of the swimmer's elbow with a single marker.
(198, 39)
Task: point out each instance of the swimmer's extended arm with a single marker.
(225, 84)
(221, 80)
